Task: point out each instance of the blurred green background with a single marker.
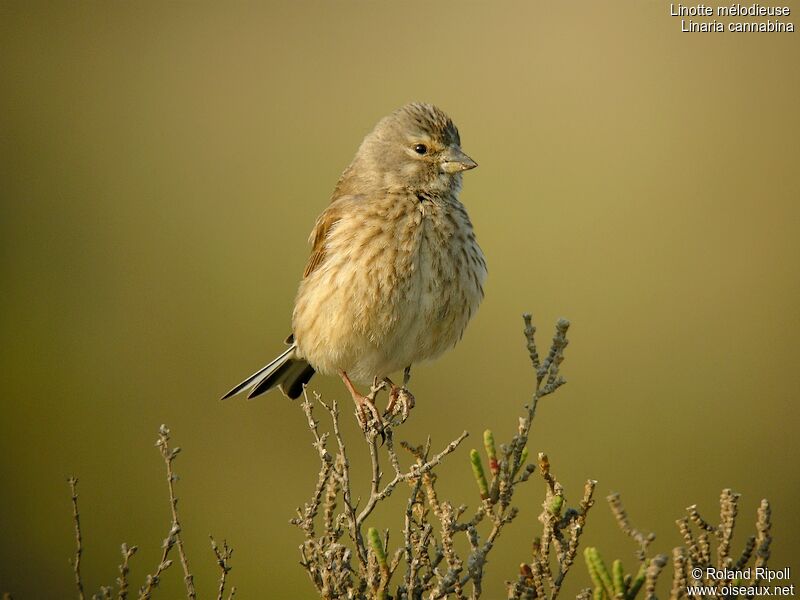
(163, 164)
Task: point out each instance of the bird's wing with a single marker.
(319, 234)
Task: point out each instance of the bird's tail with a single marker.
(287, 372)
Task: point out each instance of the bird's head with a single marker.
(417, 148)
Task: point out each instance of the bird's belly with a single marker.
(438, 300)
(377, 311)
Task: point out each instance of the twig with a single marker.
(152, 580)
(169, 456)
(412, 474)
(678, 573)
(122, 580)
(549, 369)
(644, 540)
(223, 557)
(763, 537)
(344, 475)
(76, 519)
(653, 571)
(530, 337)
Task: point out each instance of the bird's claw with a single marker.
(401, 401)
(367, 414)
(370, 422)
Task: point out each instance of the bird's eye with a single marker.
(421, 149)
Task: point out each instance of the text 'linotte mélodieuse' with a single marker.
(744, 18)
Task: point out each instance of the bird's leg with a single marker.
(394, 392)
(365, 405)
(400, 395)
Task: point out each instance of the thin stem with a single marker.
(169, 455)
(222, 556)
(76, 519)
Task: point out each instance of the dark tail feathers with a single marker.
(287, 372)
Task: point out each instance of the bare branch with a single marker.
(223, 556)
(122, 580)
(169, 456)
(76, 519)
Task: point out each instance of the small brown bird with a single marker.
(395, 272)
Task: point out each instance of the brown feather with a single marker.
(319, 235)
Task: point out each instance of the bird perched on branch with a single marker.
(395, 272)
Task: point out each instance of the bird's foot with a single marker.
(369, 419)
(401, 401)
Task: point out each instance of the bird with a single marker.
(395, 271)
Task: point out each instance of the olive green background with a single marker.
(163, 164)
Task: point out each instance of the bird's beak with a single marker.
(454, 161)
